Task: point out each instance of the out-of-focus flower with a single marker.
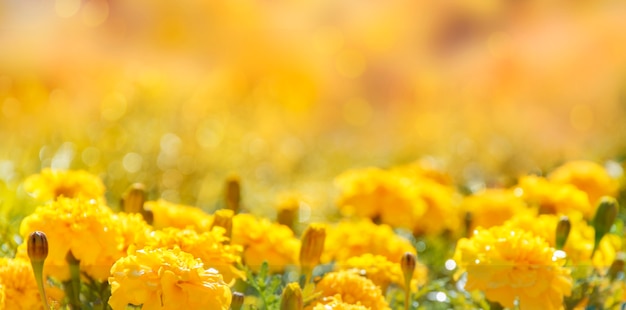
(287, 208)
(587, 176)
(554, 198)
(166, 279)
(579, 244)
(208, 246)
(374, 192)
(85, 227)
(353, 289)
(224, 218)
(426, 169)
(493, 207)
(382, 271)
(232, 194)
(19, 286)
(511, 264)
(50, 184)
(336, 303)
(168, 214)
(265, 241)
(134, 198)
(312, 246)
(442, 208)
(355, 238)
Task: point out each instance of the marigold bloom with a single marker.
(265, 241)
(382, 271)
(511, 264)
(19, 286)
(355, 238)
(353, 289)
(442, 208)
(587, 176)
(554, 198)
(95, 235)
(375, 192)
(50, 184)
(493, 207)
(168, 214)
(161, 279)
(336, 303)
(210, 247)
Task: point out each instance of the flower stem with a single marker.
(38, 271)
(73, 287)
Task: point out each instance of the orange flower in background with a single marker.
(382, 271)
(510, 265)
(374, 192)
(209, 246)
(355, 238)
(168, 214)
(264, 240)
(493, 207)
(162, 279)
(587, 176)
(353, 289)
(50, 184)
(555, 198)
(336, 303)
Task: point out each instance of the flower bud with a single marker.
(133, 199)
(407, 263)
(237, 302)
(562, 232)
(604, 219)
(224, 218)
(617, 266)
(233, 194)
(287, 211)
(312, 245)
(292, 297)
(37, 246)
(148, 216)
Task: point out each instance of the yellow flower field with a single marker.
(312, 155)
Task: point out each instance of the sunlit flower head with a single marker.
(355, 238)
(382, 271)
(264, 240)
(19, 286)
(168, 214)
(166, 279)
(336, 303)
(50, 184)
(207, 246)
(375, 192)
(353, 289)
(587, 176)
(510, 264)
(493, 207)
(85, 227)
(443, 212)
(554, 198)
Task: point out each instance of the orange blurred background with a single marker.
(287, 94)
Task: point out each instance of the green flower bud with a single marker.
(233, 194)
(237, 302)
(604, 219)
(133, 199)
(292, 297)
(562, 232)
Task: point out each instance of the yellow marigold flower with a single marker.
(579, 244)
(493, 207)
(426, 169)
(442, 208)
(336, 303)
(208, 246)
(554, 198)
(263, 240)
(510, 264)
(161, 279)
(168, 214)
(375, 192)
(85, 227)
(382, 271)
(353, 289)
(18, 284)
(587, 176)
(355, 238)
(50, 184)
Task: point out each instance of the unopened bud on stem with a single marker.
(133, 199)
(37, 252)
(292, 297)
(224, 218)
(604, 219)
(562, 232)
(237, 302)
(312, 246)
(233, 194)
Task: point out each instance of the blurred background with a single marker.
(179, 95)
